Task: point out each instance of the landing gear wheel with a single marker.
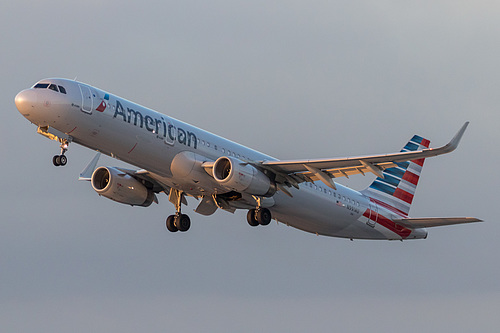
(59, 160)
(182, 222)
(63, 160)
(263, 216)
(170, 224)
(251, 218)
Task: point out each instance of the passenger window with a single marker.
(62, 89)
(53, 87)
(41, 85)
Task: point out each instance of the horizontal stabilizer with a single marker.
(427, 222)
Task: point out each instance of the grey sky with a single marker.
(293, 79)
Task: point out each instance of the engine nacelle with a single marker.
(239, 176)
(121, 187)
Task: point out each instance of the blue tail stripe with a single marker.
(391, 180)
(411, 146)
(417, 139)
(377, 185)
(396, 172)
(403, 165)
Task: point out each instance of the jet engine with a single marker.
(121, 187)
(240, 176)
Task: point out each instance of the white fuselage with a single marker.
(151, 140)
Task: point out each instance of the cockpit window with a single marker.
(41, 85)
(53, 87)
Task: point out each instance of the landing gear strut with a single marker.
(61, 160)
(178, 222)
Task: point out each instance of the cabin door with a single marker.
(86, 99)
(373, 216)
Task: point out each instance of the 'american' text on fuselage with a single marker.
(156, 126)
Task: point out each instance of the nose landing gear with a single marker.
(61, 160)
(62, 138)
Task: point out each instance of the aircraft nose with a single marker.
(25, 101)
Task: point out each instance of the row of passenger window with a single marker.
(225, 151)
(50, 86)
(333, 194)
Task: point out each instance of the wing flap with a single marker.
(427, 222)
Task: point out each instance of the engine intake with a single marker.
(240, 176)
(121, 187)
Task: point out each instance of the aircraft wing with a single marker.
(296, 171)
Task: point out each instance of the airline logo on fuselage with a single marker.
(157, 126)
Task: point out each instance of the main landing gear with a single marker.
(259, 216)
(178, 222)
(61, 160)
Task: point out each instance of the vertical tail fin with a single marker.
(396, 190)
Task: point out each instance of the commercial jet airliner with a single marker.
(182, 160)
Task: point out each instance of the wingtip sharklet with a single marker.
(453, 144)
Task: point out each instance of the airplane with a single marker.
(182, 160)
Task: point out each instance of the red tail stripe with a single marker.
(411, 177)
(425, 143)
(403, 195)
(385, 222)
(419, 161)
(389, 207)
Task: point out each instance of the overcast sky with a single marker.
(294, 79)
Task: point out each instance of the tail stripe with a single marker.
(391, 180)
(415, 168)
(380, 186)
(408, 187)
(397, 172)
(403, 195)
(419, 162)
(410, 177)
(410, 146)
(403, 165)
